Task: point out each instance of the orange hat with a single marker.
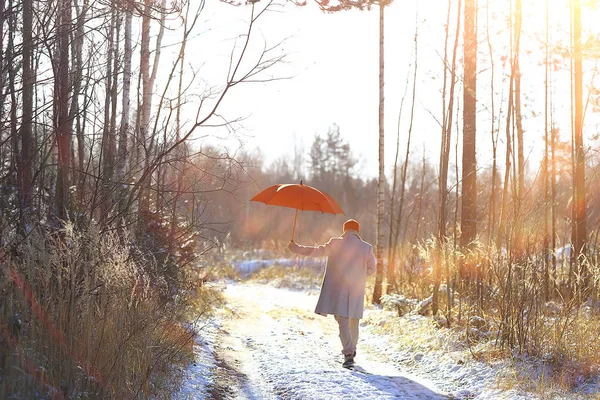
(351, 224)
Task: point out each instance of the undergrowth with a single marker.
(81, 317)
(298, 278)
(548, 342)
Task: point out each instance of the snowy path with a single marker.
(275, 347)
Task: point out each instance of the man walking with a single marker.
(349, 260)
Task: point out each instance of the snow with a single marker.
(198, 376)
(249, 266)
(288, 352)
(270, 345)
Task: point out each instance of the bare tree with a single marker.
(27, 145)
(61, 107)
(447, 114)
(517, 29)
(12, 72)
(494, 133)
(519, 174)
(392, 274)
(398, 222)
(148, 76)
(74, 112)
(548, 251)
(579, 237)
(377, 290)
(108, 134)
(468, 216)
(508, 157)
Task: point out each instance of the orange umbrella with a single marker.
(298, 196)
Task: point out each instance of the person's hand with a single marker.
(292, 245)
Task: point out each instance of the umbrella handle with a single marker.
(294, 228)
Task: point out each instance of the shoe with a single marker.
(348, 361)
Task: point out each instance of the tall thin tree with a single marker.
(377, 291)
(25, 167)
(548, 252)
(579, 204)
(468, 216)
(404, 169)
(392, 273)
(61, 107)
(447, 114)
(517, 28)
(108, 135)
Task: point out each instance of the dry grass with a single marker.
(413, 333)
(572, 350)
(297, 278)
(219, 269)
(83, 320)
(547, 347)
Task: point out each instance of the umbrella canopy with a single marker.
(300, 197)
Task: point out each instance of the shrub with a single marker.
(82, 318)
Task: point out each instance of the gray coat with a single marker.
(349, 261)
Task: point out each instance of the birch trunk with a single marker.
(377, 291)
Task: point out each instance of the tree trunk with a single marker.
(155, 62)
(519, 193)
(398, 221)
(469, 163)
(506, 302)
(148, 79)
(547, 252)
(447, 114)
(579, 203)
(494, 134)
(12, 72)
(455, 231)
(25, 184)
(74, 114)
(180, 153)
(393, 274)
(393, 234)
(121, 164)
(61, 107)
(144, 112)
(438, 271)
(507, 165)
(377, 291)
(553, 202)
(108, 136)
(517, 94)
(2, 19)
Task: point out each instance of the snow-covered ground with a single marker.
(270, 345)
(247, 267)
(275, 347)
(199, 375)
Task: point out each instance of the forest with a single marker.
(115, 215)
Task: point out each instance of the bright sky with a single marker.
(333, 59)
